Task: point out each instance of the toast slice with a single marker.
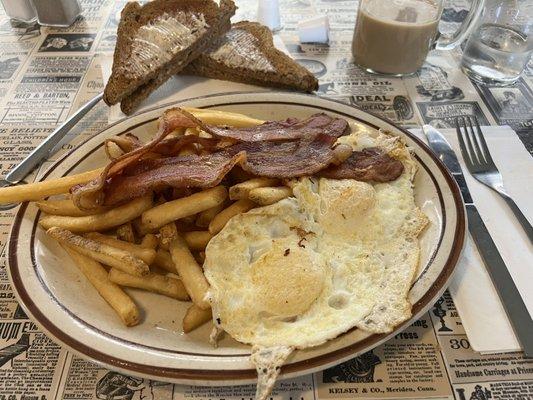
(246, 54)
(157, 40)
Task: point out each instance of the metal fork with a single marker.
(480, 164)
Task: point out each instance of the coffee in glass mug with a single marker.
(394, 37)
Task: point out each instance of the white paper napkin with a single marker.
(182, 87)
(484, 319)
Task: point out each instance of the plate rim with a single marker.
(241, 376)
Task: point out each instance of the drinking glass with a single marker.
(501, 44)
(394, 37)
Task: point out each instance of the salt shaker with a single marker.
(20, 11)
(60, 13)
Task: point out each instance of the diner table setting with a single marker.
(156, 154)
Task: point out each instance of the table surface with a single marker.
(46, 74)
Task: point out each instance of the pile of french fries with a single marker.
(158, 246)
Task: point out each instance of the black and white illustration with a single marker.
(65, 42)
(8, 66)
(479, 393)
(434, 85)
(443, 115)
(440, 312)
(359, 369)
(396, 108)
(117, 386)
(15, 349)
(510, 105)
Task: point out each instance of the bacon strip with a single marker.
(370, 164)
(290, 129)
(177, 172)
(287, 159)
(90, 196)
(271, 159)
(286, 149)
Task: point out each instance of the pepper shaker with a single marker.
(20, 11)
(61, 13)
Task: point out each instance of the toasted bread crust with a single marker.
(287, 73)
(125, 80)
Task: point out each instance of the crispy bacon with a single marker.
(91, 195)
(290, 129)
(287, 159)
(285, 149)
(370, 164)
(177, 172)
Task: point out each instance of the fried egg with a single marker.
(339, 254)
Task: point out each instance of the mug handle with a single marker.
(473, 15)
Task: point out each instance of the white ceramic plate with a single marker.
(55, 294)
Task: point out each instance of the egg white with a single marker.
(339, 254)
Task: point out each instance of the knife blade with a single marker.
(42, 151)
(513, 303)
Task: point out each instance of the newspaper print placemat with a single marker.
(47, 74)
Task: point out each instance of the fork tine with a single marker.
(470, 141)
(482, 143)
(466, 156)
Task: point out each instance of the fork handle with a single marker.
(520, 216)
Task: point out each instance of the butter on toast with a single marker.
(157, 40)
(246, 53)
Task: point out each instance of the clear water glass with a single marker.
(501, 44)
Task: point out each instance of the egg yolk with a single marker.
(287, 280)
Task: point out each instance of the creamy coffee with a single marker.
(395, 36)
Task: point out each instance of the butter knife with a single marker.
(501, 278)
(42, 152)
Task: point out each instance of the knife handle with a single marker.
(503, 282)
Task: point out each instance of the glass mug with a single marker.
(394, 37)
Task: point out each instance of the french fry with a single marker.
(99, 222)
(237, 174)
(64, 207)
(216, 117)
(167, 233)
(156, 283)
(111, 293)
(180, 208)
(222, 218)
(201, 257)
(101, 252)
(187, 150)
(149, 241)
(197, 240)
(190, 272)
(177, 132)
(141, 229)
(147, 255)
(164, 261)
(125, 143)
(40, 190)
(191, 131)
(112, 150)
(265, 196)
(241, 190)
(195, 317)
(125, 232)
(205, 217)
(204, 134)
